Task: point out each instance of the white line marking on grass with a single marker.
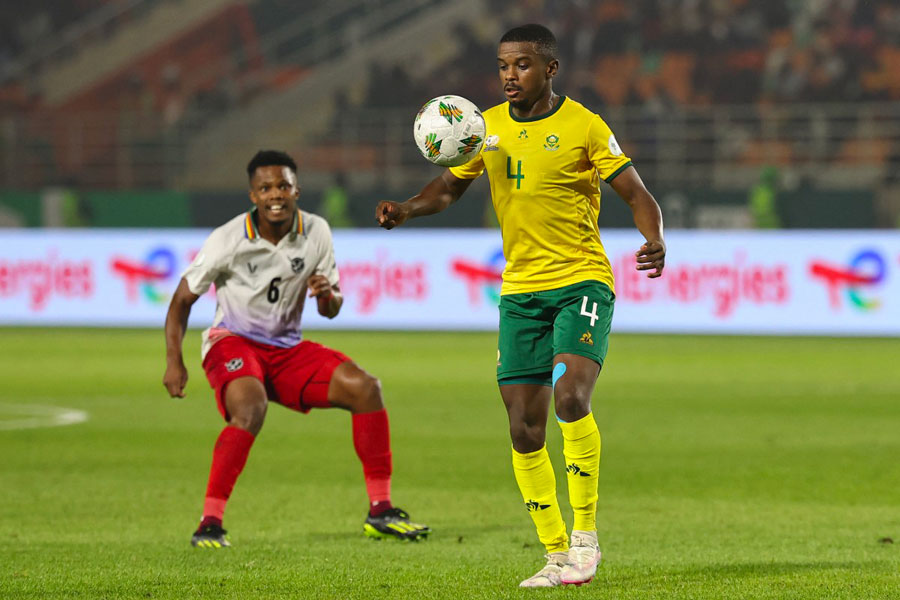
(33, 416)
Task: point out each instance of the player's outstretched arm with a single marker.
(176, 375)
(648, 219)
(438, 194)
(328, 297)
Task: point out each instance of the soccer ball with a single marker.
(449, 131)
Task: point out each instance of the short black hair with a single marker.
(270, 158)
(543, 39)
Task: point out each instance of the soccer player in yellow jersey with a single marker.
(545, 154)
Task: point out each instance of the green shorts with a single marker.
(536, 326)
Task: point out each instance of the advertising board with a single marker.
(747, 282)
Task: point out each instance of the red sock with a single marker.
(372, 440)
(229, 458)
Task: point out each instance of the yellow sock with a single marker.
(534, 474)
(581, 447)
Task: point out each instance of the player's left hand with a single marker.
(319, 286)
(652, 256)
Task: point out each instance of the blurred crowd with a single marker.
(668, 58)
(653, 54)
(25, 26)
(614, 52)
(34, 32)
(702, 52)
(733, 51)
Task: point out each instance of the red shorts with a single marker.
(295, 377)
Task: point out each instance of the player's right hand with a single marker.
(175, 379)
(391, 214)
(652, 257)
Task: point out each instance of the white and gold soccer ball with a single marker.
(449, 130)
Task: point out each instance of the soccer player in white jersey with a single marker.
(263, 264)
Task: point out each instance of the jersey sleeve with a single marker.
(469, 170)
(604, 151)
(206, 266)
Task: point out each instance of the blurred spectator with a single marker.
(174, 101)
(334, 207)
(763, 200)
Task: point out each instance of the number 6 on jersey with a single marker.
(272, 294)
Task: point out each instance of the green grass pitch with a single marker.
(732, 467)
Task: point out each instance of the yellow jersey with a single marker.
(545, 175)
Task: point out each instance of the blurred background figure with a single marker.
(334, 204)
(116, 97)
(763, 205)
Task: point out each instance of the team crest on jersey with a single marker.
(523, 135)
(490, 143)
(234, 364)
(297, 264)
(551, 142)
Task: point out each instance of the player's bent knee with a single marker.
(571, 405)
(250, 417)
(355, 390)
(527, 438)
(370, 398)
(245, 401)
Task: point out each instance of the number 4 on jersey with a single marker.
(593, 314)
(518, 176)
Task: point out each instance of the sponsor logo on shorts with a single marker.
(234, 364)
(587, 339)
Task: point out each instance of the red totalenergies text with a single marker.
(368, 282)
(40, 278)
(725, 284)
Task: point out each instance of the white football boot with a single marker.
(549, 575)
(584, 556)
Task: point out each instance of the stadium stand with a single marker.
(705, 93)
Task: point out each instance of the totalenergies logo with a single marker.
(482, 279)
(143, 277)
(866, 271)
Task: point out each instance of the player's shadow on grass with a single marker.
(773, 568)
(765, 569)
(456, 534)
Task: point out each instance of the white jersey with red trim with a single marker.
(261, 287)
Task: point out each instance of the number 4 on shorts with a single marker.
(593, 314)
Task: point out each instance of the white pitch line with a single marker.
(33, 416)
